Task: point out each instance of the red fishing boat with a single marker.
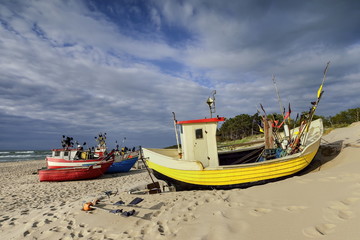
(75, 173)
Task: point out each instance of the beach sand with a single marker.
(323, 203)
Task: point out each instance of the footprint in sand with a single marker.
(12, 222)
(345, 214)
(164, 229)
(26, 233)
(350, 200)
(47, 221)
(319, 230)
(4, 218)
(57, 229)
(294, 208)
(35, 224)
(219, 213)
(343, 208)
(259, 211)
(25, 212)
(340, 210)
(160, 228)
(111, 236)
(82, 225)
(49, 215)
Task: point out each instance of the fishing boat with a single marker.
(198, 164)
(123, 165)
(68, 156)
(125, 159)
(74, 173)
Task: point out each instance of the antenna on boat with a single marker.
(211, 102)
(123, 142)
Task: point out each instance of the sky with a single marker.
(79, 68)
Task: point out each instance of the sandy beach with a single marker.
(323, 203)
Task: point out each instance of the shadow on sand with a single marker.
(326, 153)
(120, 174)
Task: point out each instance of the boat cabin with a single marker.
(67, 154)
(78, 154)
(198, 140)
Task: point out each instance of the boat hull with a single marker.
(74, 173)
(239, 177)
(122, 166)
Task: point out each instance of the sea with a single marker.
(23, 155)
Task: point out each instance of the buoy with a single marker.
(87, 206)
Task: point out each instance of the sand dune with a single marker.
(322, 203)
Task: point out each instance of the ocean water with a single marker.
(22, 155)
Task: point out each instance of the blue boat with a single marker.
(122, 166)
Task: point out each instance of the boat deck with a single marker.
(171, 153)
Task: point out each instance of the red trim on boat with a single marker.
(205, 120)
(64, 150)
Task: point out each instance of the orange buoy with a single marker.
(87, 206)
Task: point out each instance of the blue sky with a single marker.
(122, 67)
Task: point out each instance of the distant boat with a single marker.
(122, 166)
(68, 156)
(201, 166)
(74, 173)
(124, 160)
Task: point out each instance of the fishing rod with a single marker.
(278, 96)
(282, 110)
(293, 130)
(307, 121)
(319, 95)
(261, 128)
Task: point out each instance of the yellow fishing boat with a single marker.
(199, 165)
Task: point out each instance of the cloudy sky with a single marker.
(122, 67)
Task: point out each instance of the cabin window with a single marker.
(66, 153)
(57, 153)
(198, 133)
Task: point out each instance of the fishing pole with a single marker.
(319, 95)
(282, 110)
(307, 122)
(293, 130)
(278, 96)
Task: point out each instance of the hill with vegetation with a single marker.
(244, 125)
